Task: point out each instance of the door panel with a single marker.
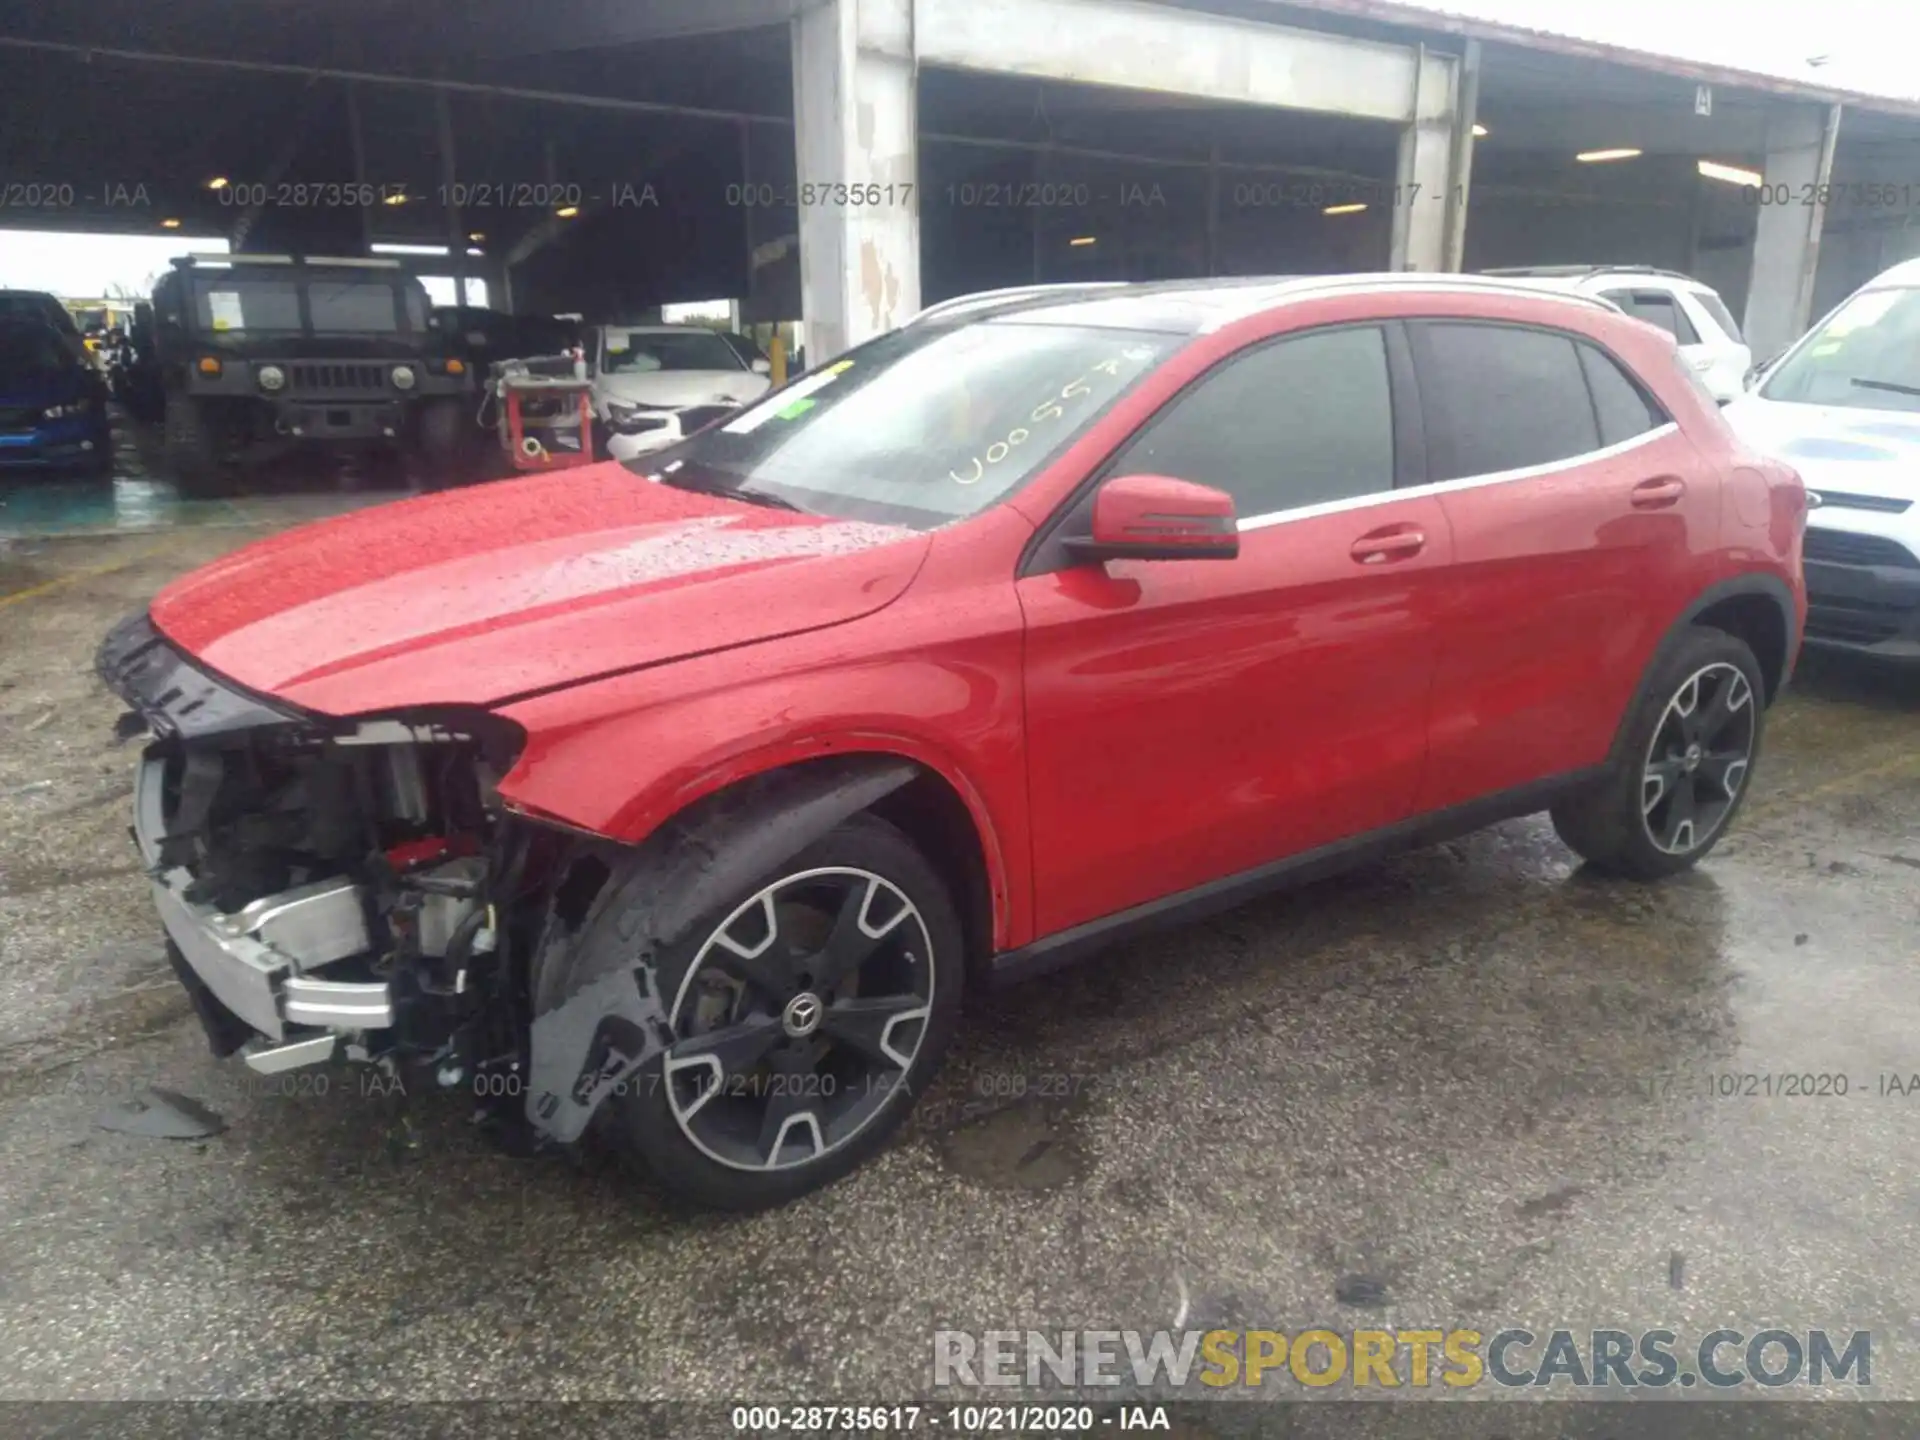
(1187, 720)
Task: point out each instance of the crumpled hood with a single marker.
(472, 596)
(1836, 447)
(669, 389)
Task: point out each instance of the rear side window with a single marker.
(1503, 397)
(1657, 307)
(1296, 422)
(1622, 407)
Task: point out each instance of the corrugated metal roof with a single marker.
(1864, 47)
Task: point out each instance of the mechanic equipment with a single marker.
(545, 411)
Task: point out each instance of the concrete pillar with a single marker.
(855, 124)
(1426, 176)
(1786, 244)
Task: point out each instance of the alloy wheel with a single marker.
(799, 1018)
(1698, 759)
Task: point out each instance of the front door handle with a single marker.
(1659, 492)
(1395, 542)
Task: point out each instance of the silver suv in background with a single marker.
(1693, 313)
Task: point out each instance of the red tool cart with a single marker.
(545, 419)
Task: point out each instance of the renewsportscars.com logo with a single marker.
(1395, 1359)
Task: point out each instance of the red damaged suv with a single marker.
(689, 798)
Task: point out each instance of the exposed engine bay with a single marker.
(356, 889)
(350, 889)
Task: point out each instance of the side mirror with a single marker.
(1155, 517)
(761, 367)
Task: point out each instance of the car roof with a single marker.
(1907, 272)
(1189, 307)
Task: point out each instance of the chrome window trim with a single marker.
(1465, 482)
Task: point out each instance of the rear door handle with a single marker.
(1659, 492)
(1396, 542)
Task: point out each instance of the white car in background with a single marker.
(653, 385)
(1694, 314)
(1842, 406)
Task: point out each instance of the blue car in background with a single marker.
(53, 403)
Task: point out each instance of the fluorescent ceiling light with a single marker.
(386, 247)
(567, 212)
(1082, 240)
(1589, 157)
(219, 182)
(1479, 132)
(1353, 209)
(1732, 174)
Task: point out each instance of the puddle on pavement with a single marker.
(1023, 1147)
(139, 496)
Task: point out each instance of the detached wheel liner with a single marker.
(755, 998)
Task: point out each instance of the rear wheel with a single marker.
(808, 1012)
(1690, 747)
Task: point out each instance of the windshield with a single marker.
(1865, 355)
(349, 303)
(920, 426)
(30, 352)
(635, 351)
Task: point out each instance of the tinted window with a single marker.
(1622, 406)
(1656, 307)
(1502, 398)
(1293, 423)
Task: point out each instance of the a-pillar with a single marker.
(855, 145)
(1786, 246)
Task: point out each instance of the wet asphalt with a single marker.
(1468, 1087)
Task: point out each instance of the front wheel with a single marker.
(444, 443)
(808, 1013)
(196, 447)
(1689, 750)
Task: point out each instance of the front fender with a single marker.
(599, 1014)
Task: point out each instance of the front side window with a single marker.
(919, 426)
(1865, 355)
(1295, 422)
(1500, 397)
(639, 351)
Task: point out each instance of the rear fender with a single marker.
(599, 1014)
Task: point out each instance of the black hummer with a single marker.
(260, 354)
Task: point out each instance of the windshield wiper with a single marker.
(1896, 388)
(763, 497)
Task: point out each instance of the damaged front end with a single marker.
(332, 888)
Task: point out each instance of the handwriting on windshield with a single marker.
(1051, 408)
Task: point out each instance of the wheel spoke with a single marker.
(790, 1115)
(1724, 772)
(856, 934)
(1658, 781)
(1679, 832)
(1731, 697)
(871, 1025)
(1686, 709)
(766, 964)
(731, 1049)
